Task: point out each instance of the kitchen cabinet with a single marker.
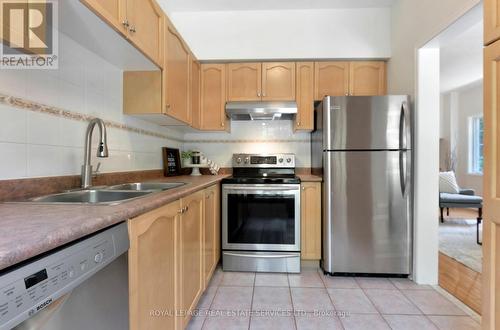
(190, 258)
(176, 76)
(491, 21)
(367, 78)
(140, 21)
(268, 81)
(213, 97)
(310, 217)
(278, 81)
(244, 81)
(331, 78)
(304, 119)
(349, 78)
(152, 264)
(195, 72)
(211, 232)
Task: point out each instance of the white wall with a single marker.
(468, 102)
(34, 144)
(282, 34)
(252, 137)
(413, 24)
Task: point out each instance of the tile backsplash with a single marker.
(36, 143)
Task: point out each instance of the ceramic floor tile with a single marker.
(265, 279)
(206, 298)
(216, 278)
(224, 321)
(230, 298)
(238, 279)
(364, 322)
(406, 284)
(391, 302)
(272, 323)
(196, 323)
(409, 322)
(311, 299)
(315, 322)
(374, 283)
(306, 279)
(432, 302)
(271, 299)
(351, 300)
(455, 322)
(339, 282)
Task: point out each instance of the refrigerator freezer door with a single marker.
(366, 123)
(366, 222)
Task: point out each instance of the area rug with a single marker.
(457, 239)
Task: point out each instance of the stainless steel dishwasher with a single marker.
(80, 286)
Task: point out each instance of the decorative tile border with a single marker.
(24, 104)
(250, 141)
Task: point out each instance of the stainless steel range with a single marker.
(261, 214)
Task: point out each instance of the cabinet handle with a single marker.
(186, 208)
(132, 29)
(258, 94)
(298, 123)
(167, 107)
(180, 211)
(303, 188)
(125, 23)
(222, 123)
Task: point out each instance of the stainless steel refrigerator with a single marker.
(361, 146)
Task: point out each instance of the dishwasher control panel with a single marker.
(35, 285)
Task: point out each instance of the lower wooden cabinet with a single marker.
(173, 253)
(152, 263)
(211, 237)
(310, 217)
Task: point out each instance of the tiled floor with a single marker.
(311, 300)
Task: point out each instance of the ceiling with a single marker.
(237, 5)
(462, 59)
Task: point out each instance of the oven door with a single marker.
(257, 217)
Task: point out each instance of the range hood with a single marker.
(254, 110)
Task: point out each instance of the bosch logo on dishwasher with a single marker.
(44, 304)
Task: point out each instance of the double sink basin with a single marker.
(109, 195)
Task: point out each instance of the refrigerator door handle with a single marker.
(404, 126)
(403, 170)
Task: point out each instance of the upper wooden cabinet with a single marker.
(176, 76)
(367, 78)
(195, 71)
(141, 21)
(304, 119)
(278, 81)
(244, 81)
(310, 227)
(331, 78)
(491, 21)
(213, 97)
(268, 81)
(152, 265)
(349, 78)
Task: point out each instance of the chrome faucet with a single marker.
(102, 150)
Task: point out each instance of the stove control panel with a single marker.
(264, 160)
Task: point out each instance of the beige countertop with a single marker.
(28, 229)
(309, 178)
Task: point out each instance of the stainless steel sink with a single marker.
(144, 186)
(92, 196)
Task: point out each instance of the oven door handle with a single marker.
(263, 187)
(267, 256)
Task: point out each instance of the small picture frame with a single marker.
(171, 162)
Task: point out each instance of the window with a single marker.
(476, 145)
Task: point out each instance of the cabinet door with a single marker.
(244, 81)
(213, 97)
(190, 254)
(152, 264)
(211, 231)
(491, 21)
(176, 76)
(278, 81)
(491, 230)
(111, 11)
(195, 71)
(331, 78)
(146, 29)
(310, 206)
(367, 78)
(305, 96)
